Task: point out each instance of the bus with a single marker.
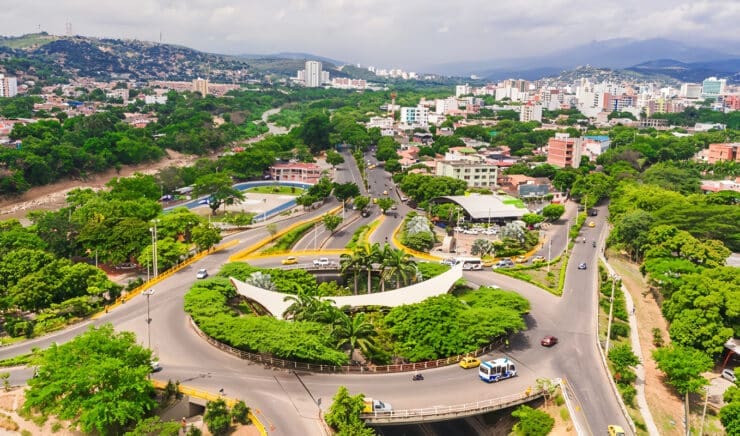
(471, 263)
(496, 370)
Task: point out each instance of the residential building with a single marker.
(480, 174)
(531, 112)
(462, 90)
(713, 87)
(296, 172)
(690, 90)
(720, 185)
(200, 85)
(155, 99)
(593, 146)
(346, 83)
(8, 86)
(723, 151)
(564, 151)
(312, 75)
(415, 116)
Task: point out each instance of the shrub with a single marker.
(628, 393)
(620, 330)
(240, 413)
(658, 338)
(532, 422)
(217, 417)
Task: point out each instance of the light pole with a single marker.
(549, 255)
(155, 269)
(148, 293)
(611, 307)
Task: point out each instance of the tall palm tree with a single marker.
(366, 256)
(399, 265)
(301, 306)
(351, 262)
(355, 331)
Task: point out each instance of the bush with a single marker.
(240, 413)
(628, 393)
(420, 241)
(620, 330)
(217, 417)
(658, 338)
(532, 422)
(285, 242)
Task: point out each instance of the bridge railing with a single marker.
(269, 360)
(477, 406)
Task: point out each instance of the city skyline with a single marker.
(410, 35)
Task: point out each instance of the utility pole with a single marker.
(549, 255)
(148, 293)
(155, 266)
(611, 308)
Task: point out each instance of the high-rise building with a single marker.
(531, 112)
(712, 87)
(564, 151)
(415, 116)
(8, 86)
(200, 85)
(690, 90)
(312, 75)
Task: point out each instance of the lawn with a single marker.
(276, 189)
(539, 276)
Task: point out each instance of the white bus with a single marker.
(496, 370)
(471, 263)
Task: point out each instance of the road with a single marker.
(288, 403)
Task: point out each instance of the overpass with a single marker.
(443, 413)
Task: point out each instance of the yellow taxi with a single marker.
(375, 201)
(292, 260)
(615, 430)
(469, 362)
(487, 262)
(591, 224)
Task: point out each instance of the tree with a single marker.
(684, 367)
(217, 417)
(345, 191)
(331, 222)
(240, 413)
(396, 264)
(218, 187)
(98, 380)
(344, 414)
(272, 229)
(532, 218)
(205, 236)
(553, 212)
(730, 417)
(481, 247)
(385, 203)
(361, 202)
(392, 165)
(354, 331)
(532, 422)
(333, 158)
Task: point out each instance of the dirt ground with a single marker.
(665, 406)
(52, 197)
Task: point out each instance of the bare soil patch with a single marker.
(665, 406)
(53, 196)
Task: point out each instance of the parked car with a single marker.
(321, 262)
(549, 341)
(582, 265)
(201, 274)
(468, 362)
(292, 260)
(729, 375)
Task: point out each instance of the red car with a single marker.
(549, 341)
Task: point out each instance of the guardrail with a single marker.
(429, 414)
(269, 360)
(208, 396)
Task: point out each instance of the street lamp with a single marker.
(148, 293)
(611, 307)
(153, 230)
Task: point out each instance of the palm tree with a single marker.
(351, 262)
(301, 307)
(354, 331)
(400, 265)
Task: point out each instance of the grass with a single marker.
(27, 41)
(360, 235)
(538, 276)
(286, 242)
(24, 359)
(276, 189)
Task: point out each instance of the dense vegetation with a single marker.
(321, 333)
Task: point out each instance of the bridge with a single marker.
(443, 413)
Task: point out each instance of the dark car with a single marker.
(582, 265)
(549, 341)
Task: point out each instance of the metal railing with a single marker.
(269, 360)
(456, 409)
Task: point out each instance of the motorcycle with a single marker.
(417, 377)
(594, 244)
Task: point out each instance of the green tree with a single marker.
(217, 417)
(218, 187)
(240, 413)
(385, 203)
(361, 202)
(98, 380)
(730, 418)
(355, 331)
(683, 367)
(396, 265)
(333, 158)
(481, 247)
(344, 414)
(553, 212)
(345, 191)
(532, 218)
(331, 222)
(205, 236)
(532, 422)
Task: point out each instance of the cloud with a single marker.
(388, 33)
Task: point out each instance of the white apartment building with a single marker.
(155, 99)
(8, 86)
(531, 112)
(444, 106)
(312, 74)
(415, 116)
(480, 174)
(380, 122)
(690, 90)
(462, 90)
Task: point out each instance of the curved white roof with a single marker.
(481, 207)
(441, 284)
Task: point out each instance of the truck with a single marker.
(496, 370)
(376, 406)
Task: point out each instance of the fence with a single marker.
(457, 409)
(269, 360)
(208, 396)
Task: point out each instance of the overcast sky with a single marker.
(409, 34)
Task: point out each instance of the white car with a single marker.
(729, 375)
(321, 262)
(202, 273)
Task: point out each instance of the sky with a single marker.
(408, 34)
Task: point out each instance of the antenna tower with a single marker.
(68, 28)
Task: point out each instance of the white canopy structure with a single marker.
(274, 302)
